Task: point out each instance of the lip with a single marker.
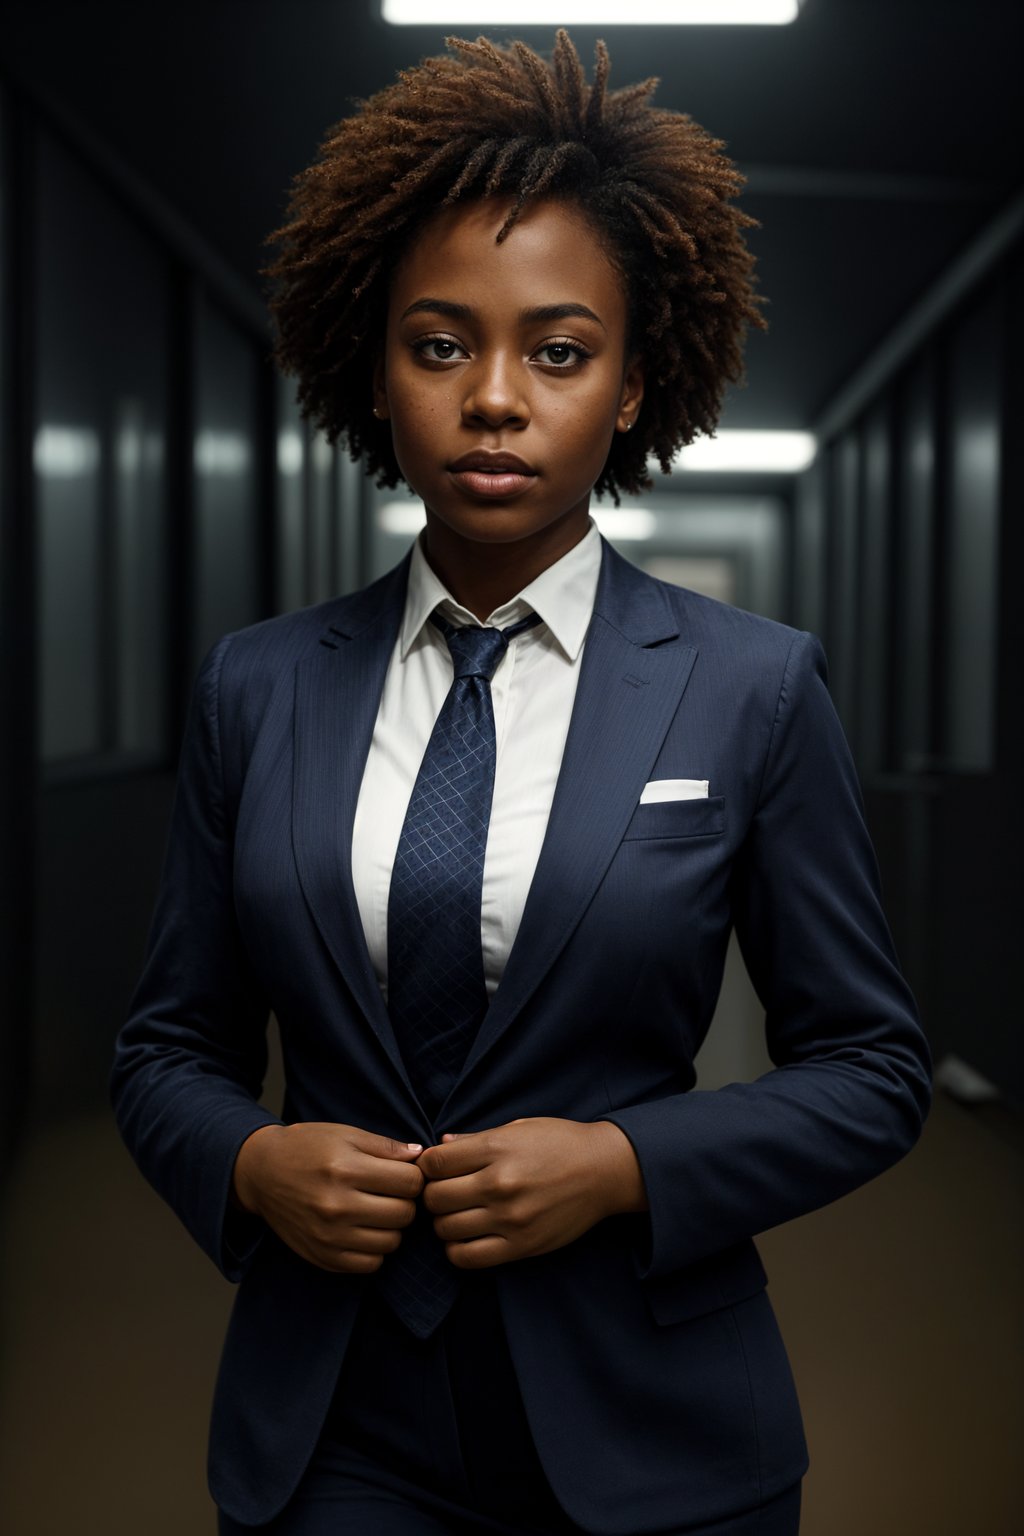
(491, 462)
(492, 475)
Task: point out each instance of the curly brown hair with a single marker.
(502, 120)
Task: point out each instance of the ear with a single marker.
(632, 395)
(380, 389)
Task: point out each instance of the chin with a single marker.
(492, 526)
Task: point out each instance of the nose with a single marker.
(495, 394)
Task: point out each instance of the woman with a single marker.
(478, 836)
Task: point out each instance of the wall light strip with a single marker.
(779, 453)
(403, 518)
(598, 13)
(65, 452)
(625, 522)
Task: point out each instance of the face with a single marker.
(505, 376)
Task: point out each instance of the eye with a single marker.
(562, 355)
(438, 349)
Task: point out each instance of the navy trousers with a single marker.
(429, 1437)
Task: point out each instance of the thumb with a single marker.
(387, 1146)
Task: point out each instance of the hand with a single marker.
(337, 1195)
(526, 1187)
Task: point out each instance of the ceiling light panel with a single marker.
(597, 13)
(778, 453)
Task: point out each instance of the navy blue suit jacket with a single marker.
(652, 1372)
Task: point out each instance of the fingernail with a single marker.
(414, 1146)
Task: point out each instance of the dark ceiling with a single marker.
(878, 136)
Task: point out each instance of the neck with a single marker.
(482, 576)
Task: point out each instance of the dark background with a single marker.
(157, 487)
(146, 153)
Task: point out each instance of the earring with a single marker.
(629, 426)
(376, 412)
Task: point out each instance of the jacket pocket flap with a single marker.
(716, 1281)
(678, 818)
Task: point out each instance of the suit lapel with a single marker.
(632, 676)
(338, 691)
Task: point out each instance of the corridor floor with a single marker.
(901, 1306)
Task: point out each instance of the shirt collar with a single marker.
(563, 595)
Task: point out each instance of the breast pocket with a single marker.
(678, 818)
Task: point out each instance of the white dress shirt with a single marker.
(532, 690)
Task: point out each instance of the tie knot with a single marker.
(475, 651)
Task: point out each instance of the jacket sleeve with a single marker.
(190, 1060)
(851, 1085)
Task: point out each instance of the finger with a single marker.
(480, 1253)
(347, 1261)
(334, 1260)
(372, 1210)
(461, 1226)
(454, 1194)
(332, 1250)
(374, 1240)
(466, 1154)
(384, 1146)
(388, 1176)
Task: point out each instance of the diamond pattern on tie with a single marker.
(437, 996)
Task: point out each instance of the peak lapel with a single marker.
(632, 677)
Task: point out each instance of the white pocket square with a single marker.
(656, 790)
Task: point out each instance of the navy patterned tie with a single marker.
(437, 997)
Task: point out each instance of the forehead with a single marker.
(552, 255)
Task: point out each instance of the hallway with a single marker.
(165, 481)
(103, 1419)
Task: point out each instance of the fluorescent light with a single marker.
(220, 453)
(401, 517)
(624, 522)
(598, 13)
(780, 453)
(289, 451)
(404, 518)
(65, 452)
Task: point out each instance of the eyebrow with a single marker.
(538, 312)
